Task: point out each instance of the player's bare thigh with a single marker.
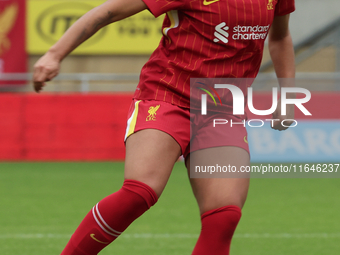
(150, 157)
(213, 193)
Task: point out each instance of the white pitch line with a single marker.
(157, 236)
(181, 236)
(289, 235)
(33, 236)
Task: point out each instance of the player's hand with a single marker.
(46, 68)
(279, 118)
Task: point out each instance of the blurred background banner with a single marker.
(314, 138)
(13, 58)
(315, 141)
(48, 20)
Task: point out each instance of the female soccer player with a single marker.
(202, 39)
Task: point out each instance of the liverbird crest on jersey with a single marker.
(270, 5)
(7, 20)
(152, 112)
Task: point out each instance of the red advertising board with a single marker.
(50, 127)
(13, 58)
(53, 127)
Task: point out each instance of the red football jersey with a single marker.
(206, 39)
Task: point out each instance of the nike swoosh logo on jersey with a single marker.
(205, 2)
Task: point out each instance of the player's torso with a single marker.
(221, 25)
(208, 38)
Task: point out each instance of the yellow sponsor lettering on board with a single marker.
(7, 20)
(48, 21)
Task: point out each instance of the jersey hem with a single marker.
(286, 12)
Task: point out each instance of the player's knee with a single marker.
(143, 190)
(209, 205)
(224, 218)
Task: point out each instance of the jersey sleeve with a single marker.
(158, 7)
(284, 7)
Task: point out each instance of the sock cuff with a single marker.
(141, 189)
(230, 208)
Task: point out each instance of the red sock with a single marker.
(218, 227)
(110, 217)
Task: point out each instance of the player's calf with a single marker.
(218, 227)
(110, 217)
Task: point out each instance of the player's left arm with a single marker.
(282, 53)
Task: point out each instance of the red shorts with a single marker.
(191, 131)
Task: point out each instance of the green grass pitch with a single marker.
(42, 203)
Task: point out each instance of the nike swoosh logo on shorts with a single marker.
(205, 2)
